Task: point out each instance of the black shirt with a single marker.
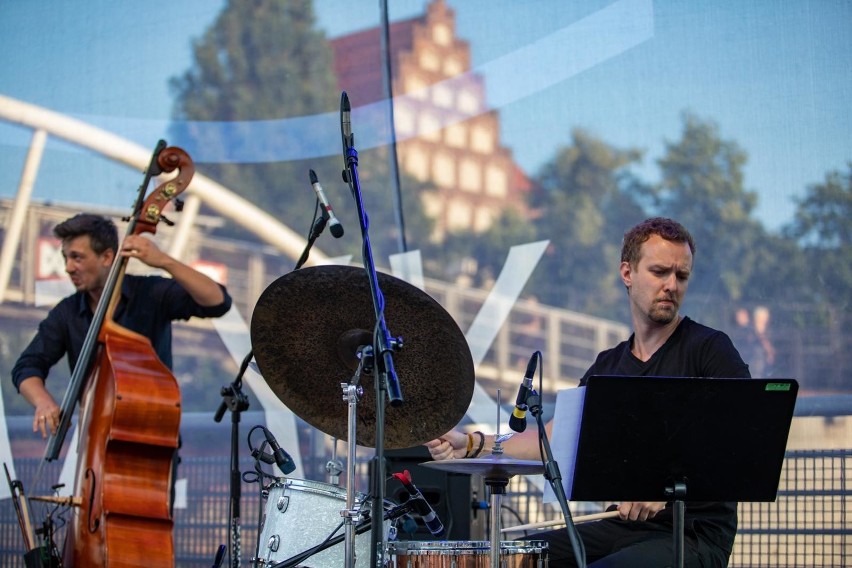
(147, 306)
(693, 350)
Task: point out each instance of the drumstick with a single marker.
(558, 522)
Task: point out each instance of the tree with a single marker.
(822, 225)
(702, 187)
(261, 60)
(584, 196)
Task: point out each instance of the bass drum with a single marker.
(301, 514)
(467, 554)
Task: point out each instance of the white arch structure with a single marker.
(45, 123)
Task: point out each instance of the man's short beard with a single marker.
(662, 316)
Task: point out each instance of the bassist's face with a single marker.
(87, 269)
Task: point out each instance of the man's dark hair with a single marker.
(666, 228)
(101, 231)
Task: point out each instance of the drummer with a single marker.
(656, 263)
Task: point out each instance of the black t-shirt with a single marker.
(693, 350)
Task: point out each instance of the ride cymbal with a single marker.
(307, 327)
(489, 467)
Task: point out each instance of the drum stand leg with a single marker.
(351, 393)
(497, 488)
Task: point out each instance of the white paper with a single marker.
(566, 434)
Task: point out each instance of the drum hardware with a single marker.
(352, 392)
(334, 467)
(467, 554)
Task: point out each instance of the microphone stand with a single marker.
(386, 380)
(235, 400)
(316, 231)
(551, 473)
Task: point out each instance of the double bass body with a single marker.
(129, 428)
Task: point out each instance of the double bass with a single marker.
(129, 418)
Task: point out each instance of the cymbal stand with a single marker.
(352, 391)
(496, 489)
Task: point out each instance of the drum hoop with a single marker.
(465, 547)
(316, 487)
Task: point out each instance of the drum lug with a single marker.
(282, 503)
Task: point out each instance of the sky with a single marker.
(776, 78)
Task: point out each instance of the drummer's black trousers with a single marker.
(613, 543)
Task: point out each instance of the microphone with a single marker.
(421, 505)
(282, 459)
(518, 419)
(345, 118)
(335, 227)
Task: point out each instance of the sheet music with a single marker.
(566, 433)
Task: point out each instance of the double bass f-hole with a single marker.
(93, 521)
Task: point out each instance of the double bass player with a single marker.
(148, 305)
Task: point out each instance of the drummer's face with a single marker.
(87, 269)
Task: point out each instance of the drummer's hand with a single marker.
(634, 511)
(452, 445)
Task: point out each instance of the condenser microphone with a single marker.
(282, 459)
(346, 119)
(518, 419)
(421, 505)
(334, 224)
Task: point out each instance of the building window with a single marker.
(470, 175)
(417, 163)
(442, 34)
(468, 102)
(496, 181)
(482, 139)
(444, 170)
(453, 66)
(432, 204)
(430, 127)
(484, 218)
(415, 87)
(456, 135)
(404, 120)
(458, 214)
(429, 61)
(442, 95)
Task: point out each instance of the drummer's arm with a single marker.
(454, 445)
(521, 446)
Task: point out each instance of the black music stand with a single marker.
(682, 439)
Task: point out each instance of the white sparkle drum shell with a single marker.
(466, 554)
(301, 514)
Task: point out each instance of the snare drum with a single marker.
(301, 514)
(467, 554)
